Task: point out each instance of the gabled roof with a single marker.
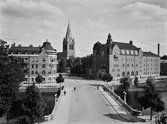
(150, 54)
(126, 46)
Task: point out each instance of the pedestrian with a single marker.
(64, 92)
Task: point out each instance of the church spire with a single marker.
(68, 33)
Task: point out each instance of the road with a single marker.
(85, 105)
(89, 106)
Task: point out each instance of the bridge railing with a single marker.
(129, 108)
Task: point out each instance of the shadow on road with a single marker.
(124, 117)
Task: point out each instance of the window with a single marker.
(36, 72)
(136, 72)
(136, 65)
(118, 70)
(123, 51)
(32, 79)
(123, 65)
(123, 73)
(32, 65)
(36, 65)
(132, 73)
(132, 65)
(132, 52)
(127, 65)
(127, 51)
(32, 72)
(128, 73)
(118, 75)
(136, 53)
(43, 59)
(43, 65)
(113, 70)
(43, 72)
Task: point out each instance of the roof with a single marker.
(96, 45)
(126, 46)
(47, 45)
(150, 54)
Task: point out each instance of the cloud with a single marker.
(96, 24)
(20, 8)
(144, 11)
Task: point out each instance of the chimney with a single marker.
(158, 49)
(131, 42)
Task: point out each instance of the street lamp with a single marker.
(125, 96)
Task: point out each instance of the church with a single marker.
(68, 46)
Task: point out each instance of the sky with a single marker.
(28, 22)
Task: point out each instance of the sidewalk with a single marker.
(61, 114)
(119, 108)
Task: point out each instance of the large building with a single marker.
(163, 65)
(123, 59)
(39, 60)
(68, 45)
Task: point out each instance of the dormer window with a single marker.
(123, 51)
(127, 51)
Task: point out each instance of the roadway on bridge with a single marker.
(85, 105)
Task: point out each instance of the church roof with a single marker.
(68, 33)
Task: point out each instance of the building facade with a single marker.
(39, 61)
(163, 65)
(68, 45)
(123, 59)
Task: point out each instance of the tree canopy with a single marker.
(107, 77)
(39, 79)
(11, 75)
(34, 105)
(60, 79)
(151, 99)
(126, 82)
(62, 65)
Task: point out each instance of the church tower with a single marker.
(68, 44)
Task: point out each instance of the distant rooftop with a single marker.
(150, 54)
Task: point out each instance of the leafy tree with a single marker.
(126, 82)
(11, 74)
(107, 78)
(136, 81)
(39, 79)
(70, 63)
(163, 118)
(62, 65)
(60, 79)
(34, 105)
(151, 99)
(3, 48)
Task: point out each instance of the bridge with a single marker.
(90, 104)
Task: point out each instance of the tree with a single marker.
(39, 79)
(163, 118)
(11, 75)
(136, 81)
(126, 82)
(151, 99)
(62, 65)
(3, 48)
(34, 105)
(107, 78)
(60, 79)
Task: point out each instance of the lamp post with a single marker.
(125, 96)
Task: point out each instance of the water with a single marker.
(132, 98)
